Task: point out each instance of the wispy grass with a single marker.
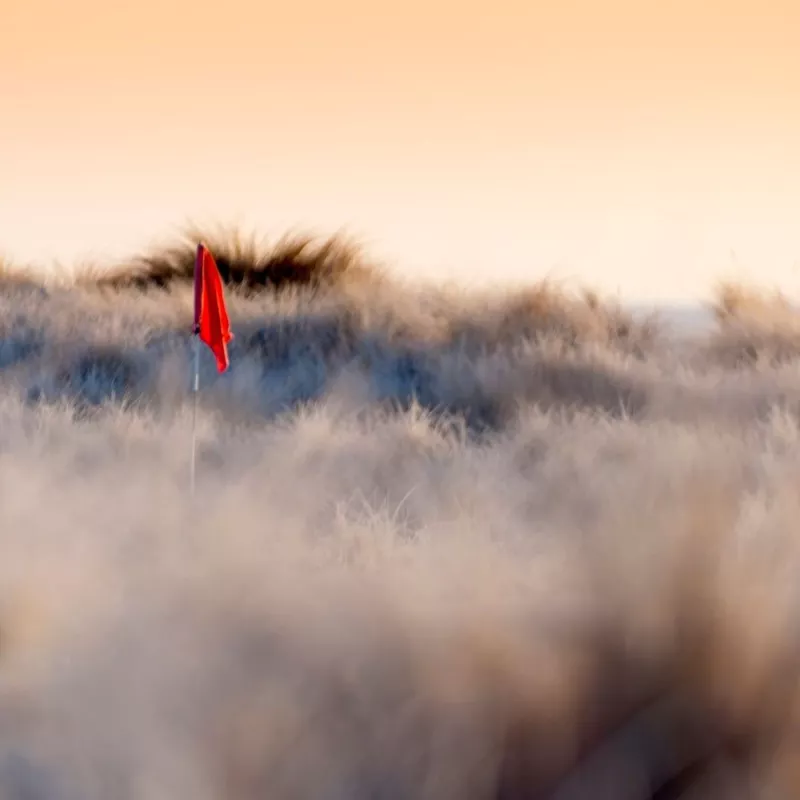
(13, 273)
(445, 546)
(755, 327)
(246, 263)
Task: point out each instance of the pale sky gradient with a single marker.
(644, 147)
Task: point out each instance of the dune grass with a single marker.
(755, 326)
(447, 546)
(247, 263)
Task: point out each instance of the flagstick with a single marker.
(210, 318)
(195, 390)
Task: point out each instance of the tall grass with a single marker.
(245, 262)
(755, 326)
(481, 546)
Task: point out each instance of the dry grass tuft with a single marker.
(14, 274)
(247, 263)
(754, 327)
(736, 304)
(545, 311)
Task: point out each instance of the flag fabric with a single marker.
(211, 322)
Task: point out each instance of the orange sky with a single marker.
(643, 147)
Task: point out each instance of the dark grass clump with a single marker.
(282, 342)
(20, 343)
(249, 265)
(94, 377)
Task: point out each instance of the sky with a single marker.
(646, 149)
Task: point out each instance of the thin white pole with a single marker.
(195, 390)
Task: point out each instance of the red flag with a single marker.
(210, 315)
